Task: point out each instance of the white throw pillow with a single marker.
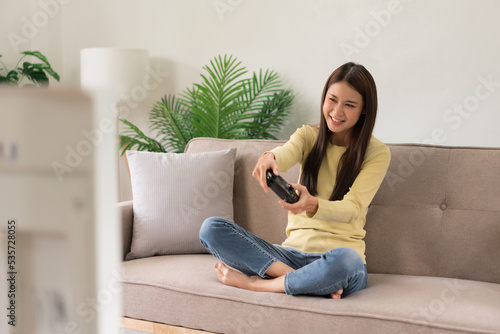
(173, 194)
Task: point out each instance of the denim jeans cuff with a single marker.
(262, 272)
(287, 289)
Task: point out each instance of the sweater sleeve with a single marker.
(294, 150)
(361, 193)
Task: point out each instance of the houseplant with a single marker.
(36, 73)
(224, 105)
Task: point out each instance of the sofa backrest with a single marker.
(254, 210)
(437, 213)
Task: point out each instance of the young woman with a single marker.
(342, 167)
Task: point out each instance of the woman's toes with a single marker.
(225, 274)
(221, 269)
(337, 294)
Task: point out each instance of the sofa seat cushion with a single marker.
(183, 290)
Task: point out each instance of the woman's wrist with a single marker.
(270, 155)
(312, 205)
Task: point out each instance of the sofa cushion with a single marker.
(437, 213)
(254, 210)
(173, 194)
(194, 298)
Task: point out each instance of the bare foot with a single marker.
(236, 279)
(337, 294)
(232, 277)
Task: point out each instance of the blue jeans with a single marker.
(315, 274)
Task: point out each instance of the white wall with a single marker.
(426, 57)
(430, 59)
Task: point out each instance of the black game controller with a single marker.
(281, 187)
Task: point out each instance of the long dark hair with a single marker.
(362, 81)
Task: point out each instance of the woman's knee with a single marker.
(212, 229)
(355, 271)
(207, 228)
(345, 258)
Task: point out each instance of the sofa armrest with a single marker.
(127, 218)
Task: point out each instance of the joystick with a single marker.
(281, 187)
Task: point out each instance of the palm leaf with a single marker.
(217, 98)
(172, 121)
(272, 116)
(136, 139)
(261, 88)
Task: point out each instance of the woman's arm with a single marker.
(294, 150)
(360, 195)
(355, 201)
(283, 157)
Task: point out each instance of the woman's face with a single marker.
(342, 107)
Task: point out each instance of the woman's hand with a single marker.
(306, 202)
(266, 161)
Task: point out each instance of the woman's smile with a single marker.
(336, 121)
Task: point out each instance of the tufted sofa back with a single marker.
(437, 213)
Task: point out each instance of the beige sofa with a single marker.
(433, 254)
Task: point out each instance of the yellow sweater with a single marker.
(336, 223)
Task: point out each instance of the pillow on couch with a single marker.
(173, 194)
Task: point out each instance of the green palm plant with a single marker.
(223, 105)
